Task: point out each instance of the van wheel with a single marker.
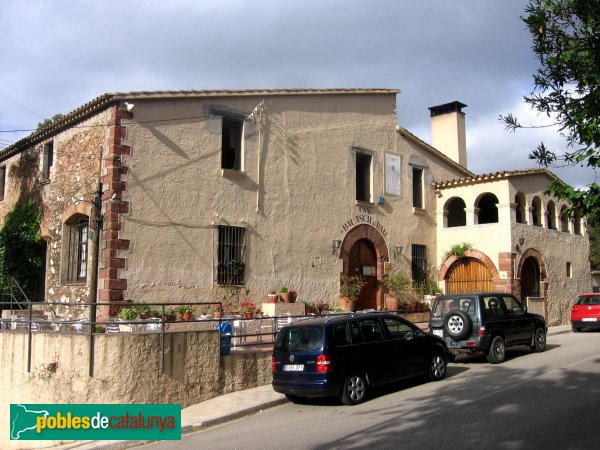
(457, 325)
(355, 390)
(437, 367)
(539, 341)
(497, 351)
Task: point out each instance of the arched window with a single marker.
(536, 210)
(488, 209)
(551, 215)
(74, 261)
(457, 217)
(520, 208)
(564, 219)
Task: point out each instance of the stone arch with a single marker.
(543, 275)
(371, 234)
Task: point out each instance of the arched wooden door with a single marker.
(363, 261)
(468, 275)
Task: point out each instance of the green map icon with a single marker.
(23, 420)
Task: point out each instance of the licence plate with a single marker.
(439, 333)
(293, 367)
(589, 319)
(453, 344)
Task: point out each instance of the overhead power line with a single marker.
(24, 107)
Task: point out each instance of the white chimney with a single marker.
(448, 131)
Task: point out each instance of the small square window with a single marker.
(231, 144)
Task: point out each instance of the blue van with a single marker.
(345, 355)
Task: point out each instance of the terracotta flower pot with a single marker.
(186, 316)
(272, 298)
(285, 297)
(348, 303)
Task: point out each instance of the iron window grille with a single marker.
(231, 255)
(77, 250)
(419, 264)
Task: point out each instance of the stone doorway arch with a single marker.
(532, 286)
(376, 241)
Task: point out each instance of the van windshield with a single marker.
(300, 339)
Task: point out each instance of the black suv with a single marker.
(344, 355)
(486, 322)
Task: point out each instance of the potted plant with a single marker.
(218, 310)
(321, 306)
(292, 295)
(272, 297)
(309, 308)
(185, 312)
(284, 294)
(248, 309)
(399, 285)
(350, 287)
(128, 313)
(143, 311)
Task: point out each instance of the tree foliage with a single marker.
(21, 247)
(566, 41)
(48, 122)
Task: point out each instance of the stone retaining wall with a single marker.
(126, 370)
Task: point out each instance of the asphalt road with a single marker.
(531, 401)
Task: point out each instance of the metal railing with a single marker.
(13, 292)
(234, 330)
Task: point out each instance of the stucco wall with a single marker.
(296, 195)
(126, 370)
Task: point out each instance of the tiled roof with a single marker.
(251, 92)
(106, 99)
(494, 176)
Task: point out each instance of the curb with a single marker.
(232, 416)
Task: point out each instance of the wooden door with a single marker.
(362, 261)
(469, 275)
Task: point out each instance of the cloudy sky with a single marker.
(59, 54)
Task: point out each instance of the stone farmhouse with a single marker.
(181, 195)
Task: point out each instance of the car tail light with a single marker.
(471, 344)
(482, 331)
(324, 364)
(273, 365)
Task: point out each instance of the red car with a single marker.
(585, 313)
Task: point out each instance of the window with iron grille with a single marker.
(75, 250)
(48, 160)
(231, 252)
(419, 264)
